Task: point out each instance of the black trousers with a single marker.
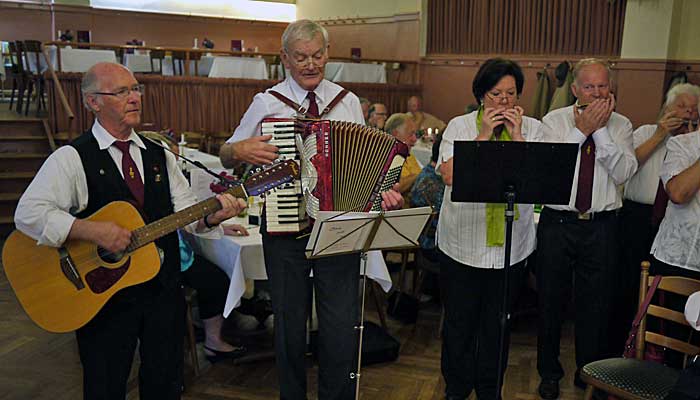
(335, 280)
(470, 334)
(588, 251)
(211, 284)
(636, 236)
(151, 315)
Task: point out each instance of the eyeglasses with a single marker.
(123, 93)
(302, 60)
(501, 96)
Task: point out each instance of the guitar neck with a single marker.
(155, 230)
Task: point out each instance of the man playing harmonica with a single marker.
(305, 53)
(581, 237)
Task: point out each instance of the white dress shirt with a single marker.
(678, 240)
(615, 161)
(643, 185)
(59, 191)
(461, 231)
(266, 105)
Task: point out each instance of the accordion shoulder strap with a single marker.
(301, 110)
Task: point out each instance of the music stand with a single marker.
(336, 233)
(500, 172)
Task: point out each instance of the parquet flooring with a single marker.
(38, 365)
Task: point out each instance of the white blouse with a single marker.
(461, 232)
(678, 240)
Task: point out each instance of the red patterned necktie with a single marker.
(313, 107)
(584, 193)
(132, 177)
(658, 210)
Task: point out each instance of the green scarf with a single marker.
(495, 212)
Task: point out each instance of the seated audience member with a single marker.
(422, 119)
(211, 284)
(428, 190)
(377, 115)
(364, 103)
(641, 214)
(471, 238)
(402, 127)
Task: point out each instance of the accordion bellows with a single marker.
(344, 167)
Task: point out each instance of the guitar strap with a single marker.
(301, 110)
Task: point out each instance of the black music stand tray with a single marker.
(503, 172)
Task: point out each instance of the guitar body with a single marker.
(61, 289)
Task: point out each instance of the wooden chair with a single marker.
(158, 55)
(32, 51)
(179, 58)
(19, 75)
(195, 140)
(635, 378)
(214, 141)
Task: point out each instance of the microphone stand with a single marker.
(222, 179)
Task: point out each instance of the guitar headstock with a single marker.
(271, 177)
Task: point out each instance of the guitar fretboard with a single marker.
(155, 230)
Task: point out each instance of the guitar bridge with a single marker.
(69, 270)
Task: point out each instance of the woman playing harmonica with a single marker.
(471, 237)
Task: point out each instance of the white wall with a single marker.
(647, 31)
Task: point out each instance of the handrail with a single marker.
(57, 84)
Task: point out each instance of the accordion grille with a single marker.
(359, 154)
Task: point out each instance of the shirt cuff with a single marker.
(601, 137)
(57, 229)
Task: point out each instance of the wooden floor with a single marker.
(39, 365)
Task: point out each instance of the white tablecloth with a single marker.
(210, 161)
(140, 63)
(422, 153)
(239, 67)
(242, 257)
(73, 60)
(355, 72)
(203, 66)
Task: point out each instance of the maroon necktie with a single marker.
(584, 192)
(658, 210)
(313, 107)
(132, 177)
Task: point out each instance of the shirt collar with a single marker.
(300, 93)
(105, 139)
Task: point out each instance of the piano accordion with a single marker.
(344, 166)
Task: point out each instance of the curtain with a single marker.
(198, 104)
(525, 26)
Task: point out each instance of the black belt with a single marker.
(577, 216)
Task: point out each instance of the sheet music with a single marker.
(336, 232)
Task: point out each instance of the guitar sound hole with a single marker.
(109, 257)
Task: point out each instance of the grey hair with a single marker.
(585, 62)
(395, 122)
(303, 29)
(681, 88)
(89, 84)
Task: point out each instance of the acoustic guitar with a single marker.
(62, 288)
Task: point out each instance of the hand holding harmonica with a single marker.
(594, 115)
(492, 121)
(514, 122)
(670, 122)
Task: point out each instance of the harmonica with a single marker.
(692, 122)
(581, 107)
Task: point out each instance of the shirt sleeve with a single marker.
(182, 197)
(553, 130)
(356, 110)
(447, 144)
(45, 211)
(616, 154)
(679, 157)
(250, 123)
